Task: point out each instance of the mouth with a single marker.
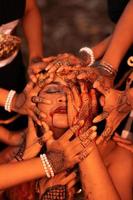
(60, 110)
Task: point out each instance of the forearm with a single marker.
(100, 48)
(3, 96)
(19, 172)
(32, 25)
(121, 38)
(95, 179)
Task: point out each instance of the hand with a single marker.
(61, 61)
(73, 103)
(33, 142)
(112, 122)
(61, 179)
(25, 102)
(100, 78)
(122, 142)
(88, 107)
(66, 152)
(113, 100)
(36, 66)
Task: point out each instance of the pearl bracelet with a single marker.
(46, 165)
(9, 100)
(88, 51)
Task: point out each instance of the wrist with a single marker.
(35, 59)
(107, 68)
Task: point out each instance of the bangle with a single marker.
(9, 100)
(88, 51)
(109, 68)
(47, 166)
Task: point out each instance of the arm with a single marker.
(16, 173)
(3, 96)
(100, 48)
(96, 181)
(121, 38)
(32, 25)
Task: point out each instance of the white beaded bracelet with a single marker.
(47, 166)
(90, 53)
(44, 166)
(9, 100)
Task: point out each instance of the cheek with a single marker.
(46, 109)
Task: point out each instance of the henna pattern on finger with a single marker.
(107, 133)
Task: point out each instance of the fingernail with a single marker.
(93, 135)
(81, 122)
(59, 70)
(94, 128)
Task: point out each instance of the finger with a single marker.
(29, 86)
(69, 178)
(31, 135)
(50, 79)
(39, 99)
(38, 67)
(86, 142)
(82, 76)
(48, 137)
(72, 131)
(71, 107)
(35, 118)
(49, 59)
(102, 101)
(122, 140)
(33, 77)
(76, 97)
(128, 147)
(93, 100)
(45, 126)
(51, 65)
(87, 133)
(84, 154)
(81, 145)
(97, 85)
(72, 183)
(42, 116)
(37, 111)
(100, 117)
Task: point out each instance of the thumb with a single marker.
(48, 138)
(97, 85)
(100, 117)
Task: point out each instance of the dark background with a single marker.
(71, 24)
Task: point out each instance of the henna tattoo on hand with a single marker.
(57, 160)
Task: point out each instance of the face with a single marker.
(57, 111)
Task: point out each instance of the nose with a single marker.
(61, 98)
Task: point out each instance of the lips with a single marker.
(61, 109)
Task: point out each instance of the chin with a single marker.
(60, 120)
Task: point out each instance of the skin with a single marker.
(105, 169)
(55, 93)
(31, 20)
